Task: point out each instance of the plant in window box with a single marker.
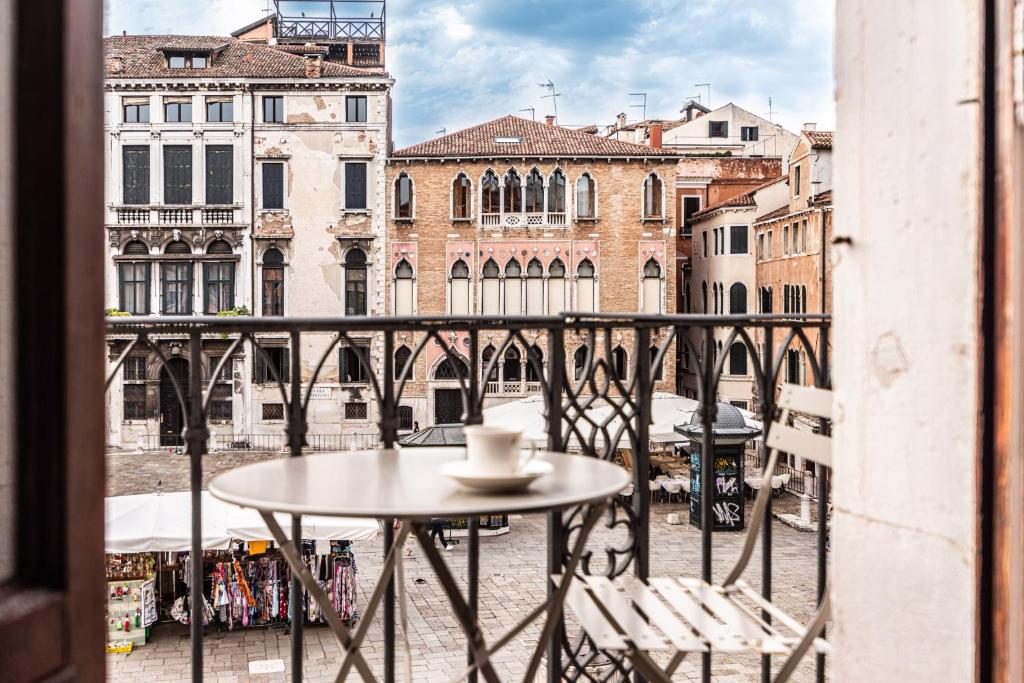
(233, 312)
(115, 313)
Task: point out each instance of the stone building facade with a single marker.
(241, 177)
(514, 217)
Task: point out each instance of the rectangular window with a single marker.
(219, 110)
(405, 417)
(691, 205)
(264, 368)
(177, 110)
(135, 174)
(219, 293)
(796, 238)
(176, 61)
(350, 369)
(785, 240)
(716, 241)
(742, 405)
(177, 282)
(134, 385)
(273, 411)
(220, 174)
(768, 244)
(273, 185)
(704, 240)
(273, 109)
(178, 174)
(355, 185)
(803, 239)
(134, 288)
(718, 129)
(355, 108)
(748, 133)
(796, 181)
(355, 410)
(136, 109)
(198, 61)
(737, 239)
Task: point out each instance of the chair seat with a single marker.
(682, 614)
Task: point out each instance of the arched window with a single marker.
(219, 280)
(404, 199)
(133, 280)
(513, 288)
(579, 361)
(738, 359)
(355, 282)
(273, 282)
(652, 197)
(652, 287)
(556, 287)
(459, 299)
(511, 366)
(586, 197)
(461, 189)
(448, 369)
(534, 200)
(785, 298)
(513, 193)
(620, 363)
(489, 295)
(714, 295)
(585, 287)
(687, 304)
(704, 297)
(803, 297)
(738, 298)
(535, 356)
(657, 369)
(490, 194)
(177, 281)
(534, 288)
(403, 288)
(793, 366)
(403, 354)
(556, 192)
(485, 358)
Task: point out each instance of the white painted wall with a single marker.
(905, 340)
(773, 140)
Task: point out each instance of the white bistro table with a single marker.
(406, 485)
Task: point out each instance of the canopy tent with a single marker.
(525, 414)
(155, 522)
(667, 412)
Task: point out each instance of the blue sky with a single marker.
(462, 62)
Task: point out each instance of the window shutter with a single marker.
(219, 174)
(285, 362)
(355, 185)
(257, 366)
(135, 172)
(273, 186)
(178, 174)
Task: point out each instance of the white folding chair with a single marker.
(677, 616)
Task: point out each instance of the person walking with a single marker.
(437, 529)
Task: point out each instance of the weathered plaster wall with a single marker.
(907, 162)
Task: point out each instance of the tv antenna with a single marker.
(771, 111)
(441, 131)
(642, 105)
(708, 87)
(550, 86)
(533, 113)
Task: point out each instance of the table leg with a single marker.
(463, 614)
(294, 559)
(557, 599)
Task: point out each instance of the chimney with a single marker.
(550, 120)
(657, 128)
(314, 66)
(810, 126)
(620, 121)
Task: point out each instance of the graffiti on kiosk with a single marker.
(727, 514)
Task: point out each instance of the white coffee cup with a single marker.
(496, 450)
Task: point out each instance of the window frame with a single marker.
(166, 284)
(403, 210)
(220, 103)
(347, 168)
(219, 190)
(263, 185)
(137, 193)
(276, 103)
(179, 106)
(122, 283)
(277, 300)
(261, 369)
(649, 195)
(361, 109)
(127, 105)
(345, 374)
(734, 230)
(723, 129)
(214, 277)
(135, 381)
(465, 189)
(747, 136)
(354, 298)
(175, 194)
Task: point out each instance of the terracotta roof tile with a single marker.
(820, 139)
(526, 138)
(141, 57)
(772, 215)
(740, 200)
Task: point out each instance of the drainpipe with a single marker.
(247, 371)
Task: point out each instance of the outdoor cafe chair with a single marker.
(676, 616)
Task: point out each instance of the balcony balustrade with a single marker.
(568, 393)
(540, 219)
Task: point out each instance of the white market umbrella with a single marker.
(157, 522)
(246, 524)
(525, 415)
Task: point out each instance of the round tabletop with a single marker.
(406, 483)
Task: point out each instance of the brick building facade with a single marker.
(515, 217)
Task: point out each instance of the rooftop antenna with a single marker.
(642, 105)
(533, 114)
(708, 86)
(691, 98)
(771, 111)
(552, 94)
(441, 131)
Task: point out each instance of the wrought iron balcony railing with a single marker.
(595, 377)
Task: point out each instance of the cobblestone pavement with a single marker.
(512, 569)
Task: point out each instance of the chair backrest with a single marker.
(807, 445)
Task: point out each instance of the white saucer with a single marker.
(463, 472)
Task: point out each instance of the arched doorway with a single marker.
(448, 406)
(172, 417)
